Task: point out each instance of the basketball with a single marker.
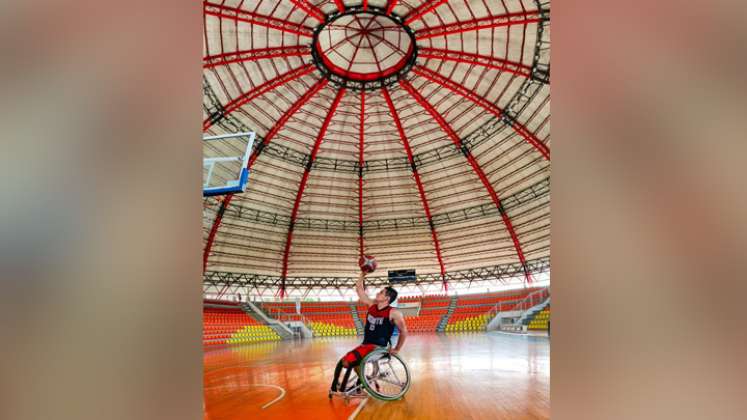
(367, 264)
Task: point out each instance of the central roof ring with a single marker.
(363, 49)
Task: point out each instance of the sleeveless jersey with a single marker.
(379, 327)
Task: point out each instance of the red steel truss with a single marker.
(302, 186)
(261, 49)
(268, 138)
(423, 10)
(340, 6)
(490, 107)
(476, 59)
(360, 175)
(475, 167)
(261, 90)
(522, 18)
(416, 175)
(241, 15)
(389, 6)
(310, 9)
(215, 60)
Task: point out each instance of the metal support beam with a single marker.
(497, 273)
(510, 19)
(422, 10)
(489, 106)
(389, 7)
(258, 91)
(310, 9)
(239, 15)
(270, 135)
(340, 5)
(361, 246)
(302, 186)
(319, 85)
(476, 60)
(215, 60)
(418, 182)
(475, 167)
(529, 194)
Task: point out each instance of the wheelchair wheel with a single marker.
(385, 376)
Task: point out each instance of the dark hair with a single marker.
(391, 293)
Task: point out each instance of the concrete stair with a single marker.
(255, 312)
(445, 319)
(356, 319)
(532, 312)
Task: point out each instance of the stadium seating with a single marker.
(253, 334)
(540, 321)
(427, 302)
(274, 309)
(329, 319)
(423, 323)
(340, 320)
(472, 312)
(324, 329)
(405, 299)
(222, 325)
(432, 309)
(325, 319)
(467, 323)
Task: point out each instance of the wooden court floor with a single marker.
(457, 376)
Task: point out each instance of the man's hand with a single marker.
(393, 351)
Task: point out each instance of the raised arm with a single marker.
(362, 291)
(399, 321)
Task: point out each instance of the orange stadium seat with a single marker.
(233, 326)
(323, 318)
(471, 312)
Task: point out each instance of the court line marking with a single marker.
(282, 392)
(358, 410)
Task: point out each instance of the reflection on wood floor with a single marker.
(458, 376)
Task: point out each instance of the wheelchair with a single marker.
(380, 374)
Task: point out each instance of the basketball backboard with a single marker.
(224, 163)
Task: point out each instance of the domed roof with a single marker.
(414, 131)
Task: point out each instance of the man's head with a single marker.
(386, 295)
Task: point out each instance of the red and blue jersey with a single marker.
(379, 328)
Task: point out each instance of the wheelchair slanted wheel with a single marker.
(385, 376)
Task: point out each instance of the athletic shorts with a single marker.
(353, 357)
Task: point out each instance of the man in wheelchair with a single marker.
(380, 322)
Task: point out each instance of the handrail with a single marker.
(292, 317)
(531, 300)
(267, 318)
(284, 316)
